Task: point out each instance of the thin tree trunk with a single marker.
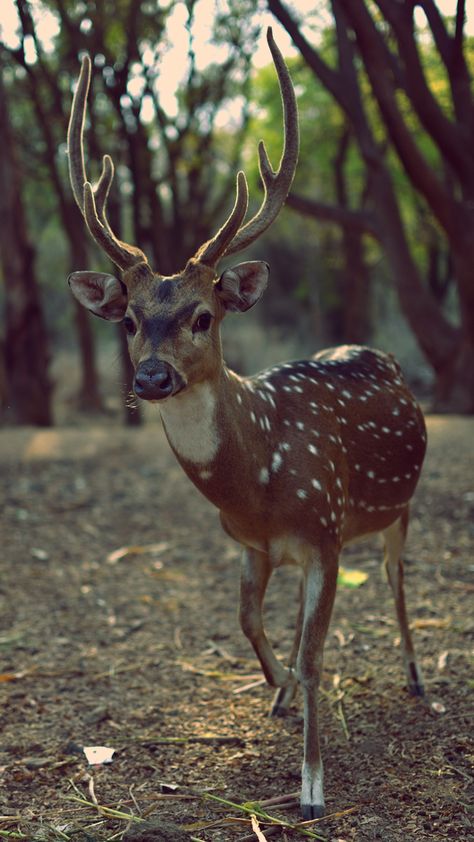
(131, 413)
(356, 280)
(26, 348)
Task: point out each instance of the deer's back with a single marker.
(338, 450)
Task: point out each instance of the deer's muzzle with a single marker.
(155, 380)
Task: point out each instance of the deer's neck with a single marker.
(206, 428)
(190, 424)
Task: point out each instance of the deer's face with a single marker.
(172, 324)
(173, 332)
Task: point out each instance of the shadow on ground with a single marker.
(141, 651)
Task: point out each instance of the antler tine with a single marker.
(102, 188)
(276, 184)
(75, 133)
(92, 201)
(210, 252)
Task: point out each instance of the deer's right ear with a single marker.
(102, 294)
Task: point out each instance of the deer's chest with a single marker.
(190, 426)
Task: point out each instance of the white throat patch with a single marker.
(190, 424)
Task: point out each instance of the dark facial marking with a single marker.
(161, 327)
(165, 290)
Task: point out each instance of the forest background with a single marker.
(376, 244)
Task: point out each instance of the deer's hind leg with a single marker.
(285, 695)
(394, 538)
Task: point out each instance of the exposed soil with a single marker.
(142, 652)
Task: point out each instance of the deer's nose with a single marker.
(154, 380)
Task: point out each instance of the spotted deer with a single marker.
(299, 459)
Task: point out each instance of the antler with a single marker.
(231, 237)
(92, 201)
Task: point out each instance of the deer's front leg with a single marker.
(255, 573)
(319, 592)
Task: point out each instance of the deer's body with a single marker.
(328, 446)
(299, 459)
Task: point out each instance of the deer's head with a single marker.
(173, 322)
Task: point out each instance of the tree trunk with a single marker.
(89, 398)
(132, 415)
(26, 349)
(356, 280)
(357, 290)
(455, 383)
(447, 348)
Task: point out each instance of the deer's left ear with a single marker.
(241, 287)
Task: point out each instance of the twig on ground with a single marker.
(137, 807)
(250, 686)
(222, 676)
(92, 791)
(281, 800)
(256, 829)
(254, 808)
(270, 831)
(185, 740)
(106, 811)
(177, 638)
(167, 797)
(215, 649)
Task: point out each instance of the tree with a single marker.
(333, 277)
(176, 168)
(176, 172)
(393, 65)
(25, 363)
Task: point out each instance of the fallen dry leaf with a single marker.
(432, 623)
(136, 549)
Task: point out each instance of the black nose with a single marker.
(154, 380)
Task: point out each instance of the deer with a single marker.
(299, 459)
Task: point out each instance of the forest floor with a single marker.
(140, 651)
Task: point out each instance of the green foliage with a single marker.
(189, 148)
(322, 125)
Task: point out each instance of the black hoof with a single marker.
(276, 710)
(312, 811)
(416, 690)
(279, 706)
(415, 680)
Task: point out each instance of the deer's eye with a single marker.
(202, 323)
(129, 325)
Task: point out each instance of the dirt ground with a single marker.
(141, 651)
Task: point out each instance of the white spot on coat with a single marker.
(276, 461)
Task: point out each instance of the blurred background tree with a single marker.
(406, 90)
(381, 219)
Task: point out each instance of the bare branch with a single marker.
(415, 164)
(444, 133)
(355, 220)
